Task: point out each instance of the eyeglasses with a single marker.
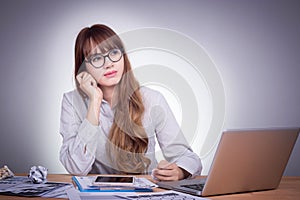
(98, 60)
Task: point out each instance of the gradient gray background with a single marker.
(254, 44)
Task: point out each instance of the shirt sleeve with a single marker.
(77, 153)
(172, 142)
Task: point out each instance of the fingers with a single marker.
(166, 171)
(85, 81)
(165, 175)
(85, 77)
(164, 164)
(89, 85)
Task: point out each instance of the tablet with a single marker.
(114, 180)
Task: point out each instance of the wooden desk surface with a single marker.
(289, 188)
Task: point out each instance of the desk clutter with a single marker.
(141, 189)
(33, 185)
(37, 174)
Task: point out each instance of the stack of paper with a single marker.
(23, 186)
(85, 184)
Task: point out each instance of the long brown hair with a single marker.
(128, 141)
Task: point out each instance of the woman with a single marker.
(109, 124)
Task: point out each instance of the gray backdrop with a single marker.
(254, 44)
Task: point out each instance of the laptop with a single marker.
(245, 160)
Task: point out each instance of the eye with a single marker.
(96, 58)
(114, 52)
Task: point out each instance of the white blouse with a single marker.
(83, 149)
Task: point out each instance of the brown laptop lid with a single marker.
(250, 160)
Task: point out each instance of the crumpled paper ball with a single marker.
(38, 174)
(5, 172)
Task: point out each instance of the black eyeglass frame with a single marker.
(89, 60)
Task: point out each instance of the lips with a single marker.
(110, 73)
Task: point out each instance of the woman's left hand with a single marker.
(166, 171)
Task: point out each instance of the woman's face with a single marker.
(110, 73)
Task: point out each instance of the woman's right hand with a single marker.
(89, 86)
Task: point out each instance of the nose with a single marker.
(107, 63)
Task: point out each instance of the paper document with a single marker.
(74, 194)
(85, 184)
(23, 186)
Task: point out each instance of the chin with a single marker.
(110, 83)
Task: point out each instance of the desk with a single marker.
(289, 188)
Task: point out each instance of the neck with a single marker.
(108, 93)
